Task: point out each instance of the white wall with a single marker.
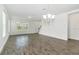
(58, 28)
(33, 26)
(74, 26)
(3, 40)
(0, 25)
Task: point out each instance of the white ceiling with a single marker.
(37, 10)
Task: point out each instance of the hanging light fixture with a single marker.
(48, 15)
(48, 18)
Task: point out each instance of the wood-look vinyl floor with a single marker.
(35, 44)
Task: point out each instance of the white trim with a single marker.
(73, 11)
(3, 43)
(53, 36)
(75, 38)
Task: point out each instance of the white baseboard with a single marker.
(53, 36)
(3, 43)
(23, 33)
(74, 38)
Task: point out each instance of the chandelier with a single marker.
(48, 16)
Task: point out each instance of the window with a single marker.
(4, 23)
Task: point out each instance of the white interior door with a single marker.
(74, 26)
